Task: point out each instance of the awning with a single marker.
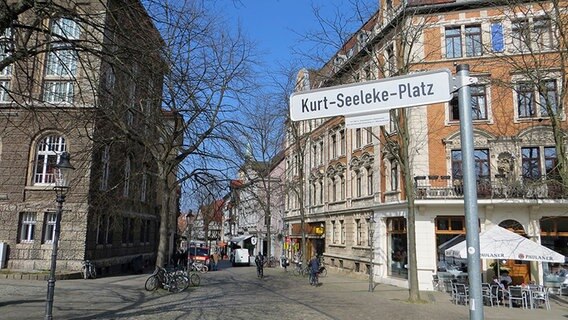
(241, 238)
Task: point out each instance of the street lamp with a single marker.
(63, 170)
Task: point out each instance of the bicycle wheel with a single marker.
(323, 273)
(204, 269)
(194, 279)
(84, 272)
(93, 272)
(182, 282)
(151, 283)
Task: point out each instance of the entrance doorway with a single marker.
(518, 270)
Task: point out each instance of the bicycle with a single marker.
(88, 270)
(198, 266)
(171, 281)
(269, 262)
(301, 270)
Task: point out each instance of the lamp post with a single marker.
(62, 170)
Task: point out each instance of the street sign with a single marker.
(372, 96)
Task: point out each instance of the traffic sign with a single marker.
(372, 96)
(253, 241)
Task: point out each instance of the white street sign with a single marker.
(372, 96)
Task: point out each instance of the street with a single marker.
(236, 293)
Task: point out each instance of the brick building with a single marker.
(94, 75)
(352, 176)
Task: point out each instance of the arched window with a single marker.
(46, 156)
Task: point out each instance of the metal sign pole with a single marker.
(470, 194)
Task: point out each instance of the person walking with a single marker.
(314, 266)
(259, 261)
(215, 261)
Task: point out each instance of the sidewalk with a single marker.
(440, 300)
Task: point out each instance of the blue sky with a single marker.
(271, 23)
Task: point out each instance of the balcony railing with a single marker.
(499, 187)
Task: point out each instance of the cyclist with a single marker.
(314, 266)
(259, 261)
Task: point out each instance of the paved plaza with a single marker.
(236, 293)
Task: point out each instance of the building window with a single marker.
(548, 97)
(105, 170)
(314, 155)
(535, 33)
(321, 192)
(333, 184)
(358, 138)
(397, 245)
(531, 163)
(358, 184)
(391, 60)
(520, 35)
(47, 155)
(358, 234)
(127, 172)
(525, 99)
(144, 186)
(49, 227)
(342, 225)
(61, 64)
(551, 162)
(58, 91)
(450, 230)
(481, 158)
(342, 187)
(542, 33)
(453, 42)
(470, 35)
(369, 181)
(104, 230)
(473, 44)
(27, 226)
(333, 146)
(369, 135)
(333, 232)
(127, 230)
(478, 102)
(343, 143)
(393, 175)
(321, 152)
(4, 90)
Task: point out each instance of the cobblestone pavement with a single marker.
(236, 293)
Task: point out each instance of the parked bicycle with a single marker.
(88, 270)
(198, 266)
(270, 262)
(301, 270)
(171, 281)
(192, 276)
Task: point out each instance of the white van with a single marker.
(241, 257)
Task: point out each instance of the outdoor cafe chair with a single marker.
(517, 294)
(487, 295)
(539, 295)
(462, 295)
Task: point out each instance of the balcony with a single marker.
(500, 187)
